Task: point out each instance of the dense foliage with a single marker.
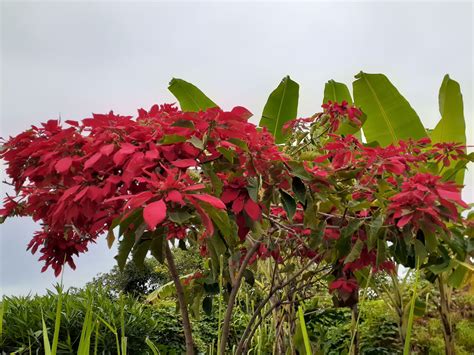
(305, 198)
(329, 327)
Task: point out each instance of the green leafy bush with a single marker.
(23, 330)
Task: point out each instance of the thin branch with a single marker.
(233, 295)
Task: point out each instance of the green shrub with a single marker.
(23, 330)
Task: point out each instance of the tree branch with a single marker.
(188, 335)
(233, 294)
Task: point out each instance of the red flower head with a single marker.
(335, 113)
(425, 200)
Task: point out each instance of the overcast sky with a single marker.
(74, 58)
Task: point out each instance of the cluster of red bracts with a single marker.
(426, 201)
(335, 113)
(77, 180)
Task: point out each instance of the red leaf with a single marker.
(229, 195)
(238, 204)
(336, 284)
(125, 150)
(175, 196)
(213, 201)
(154, 214)
(81, 194)
(452, 195)
(92, 160)
(195, 187)
(404, 220)
(242, 112)
(107, 149)
(63, 165)
(252, 209)
(138, 200)
(184, 163)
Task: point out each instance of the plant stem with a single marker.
(354, 347)
(406, 349)
(188, 335)
(219, 314)
(232, 296)
(444, 311)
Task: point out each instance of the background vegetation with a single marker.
(329, 328)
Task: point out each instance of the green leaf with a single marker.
(451, 127)
(173, 138)
(157, 247)
(57, 322)
(46, 344)
(469, 267)
(289, 204)
(239, 143)
(2, 312)
(135, 217)
(281, 107)
(339, 92)
(343, 244)
(124, 249)
(216, 248)
(189, 96)
(227, 153)
(183, 123)
(355, 252)
(299, 189)
(431, 242)
(420, 252)
(311, 215)
(304, 331)
(140, 251)
(222, 221)
(456, 279)
(152, 346)
(420, 307)
(390, 118)
(374, 229)
(195, 141)
(179, 216)
(298, 169)
(166, 290)
(352, 227)
(450, 174)
(336, 92)
(253, 187)
(441, 267)
(216, 182)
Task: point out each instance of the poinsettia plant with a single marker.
(309, 195)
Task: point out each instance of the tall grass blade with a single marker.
(57, 322)
(123, 338)
(86, 333)
(152, 346)
(96, 343)
(304, 331)
(47, 346)
(2, 310)
(406, 348)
